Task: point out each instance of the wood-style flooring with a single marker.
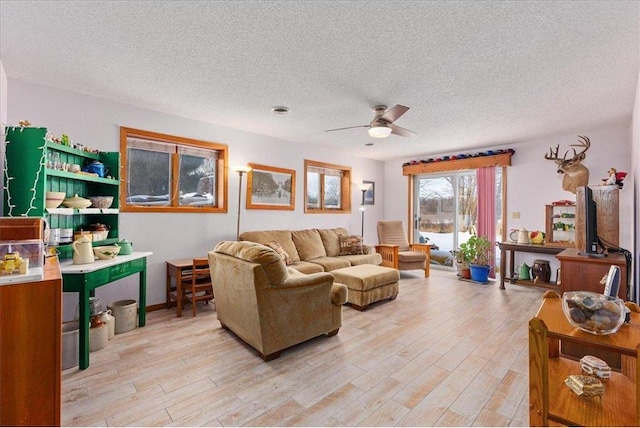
(444, 353)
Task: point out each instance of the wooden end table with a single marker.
(177, 269)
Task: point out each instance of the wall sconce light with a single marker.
(241, 169)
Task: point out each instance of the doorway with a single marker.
(445, 212)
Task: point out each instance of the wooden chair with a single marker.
(397, 252)
(198, 288)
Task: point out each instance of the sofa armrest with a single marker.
(307, 280)
(389, 255)
(368, 249)
(339, 294)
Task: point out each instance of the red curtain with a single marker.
(486, 178)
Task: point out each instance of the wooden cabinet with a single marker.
(30, 350)
(583, 273)
(551, 401)
(35, 166)
(560, 227)
(607, 213)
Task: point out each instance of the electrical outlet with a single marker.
(515, 214)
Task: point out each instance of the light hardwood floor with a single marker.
(444, 353)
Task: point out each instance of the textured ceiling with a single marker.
(473, 74)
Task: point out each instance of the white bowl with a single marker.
(100, 235)
(101, 201)
(54, 199)
(106, 252)
(76, 202)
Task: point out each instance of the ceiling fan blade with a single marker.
(394, 113)
(348, 127)
(395, 129)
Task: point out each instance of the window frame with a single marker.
(221, 173)
(345, 188)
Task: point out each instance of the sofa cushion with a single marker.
(253, 252)
(350, 245)
(331, 263)
(411, 256)
(309, 244)
(331, 240)
(307, 267)
(281, 251)
(363, 259)
(282, 237)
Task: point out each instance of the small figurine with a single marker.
(612, 177)
(24, 123)
(615, 177)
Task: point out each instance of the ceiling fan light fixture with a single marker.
(379, 131)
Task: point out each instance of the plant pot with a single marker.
(480, 273)
(465, 273)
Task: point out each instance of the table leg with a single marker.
(512, 262)
(179, 292)
(84, 328)
(142, 310)
(503, 266)
(168, 304)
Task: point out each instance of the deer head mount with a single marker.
(575, 174)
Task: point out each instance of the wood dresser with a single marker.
(30, 350)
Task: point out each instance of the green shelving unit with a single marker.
(29, 173)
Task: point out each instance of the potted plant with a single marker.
(480, 251)
(463, 256)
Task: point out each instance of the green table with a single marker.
(84, 279)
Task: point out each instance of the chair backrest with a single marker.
(200, 271)
(392, 232)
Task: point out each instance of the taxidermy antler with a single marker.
(575, 174)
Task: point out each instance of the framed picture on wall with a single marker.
(271, 188)
(370, 195)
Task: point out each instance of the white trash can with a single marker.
(70, 344)
(126, 315)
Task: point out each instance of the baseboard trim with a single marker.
(156, 307)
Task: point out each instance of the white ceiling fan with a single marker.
(382, 124)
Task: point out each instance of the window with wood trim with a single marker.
(327, 188)
(165, 173)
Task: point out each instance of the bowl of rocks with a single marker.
(593, 312)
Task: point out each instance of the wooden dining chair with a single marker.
(200, 287)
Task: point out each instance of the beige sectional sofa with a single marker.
(269, 306)
(314, 250)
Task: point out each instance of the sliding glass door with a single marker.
(445, 211)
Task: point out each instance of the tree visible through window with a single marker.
(327, 187)
(168, 173)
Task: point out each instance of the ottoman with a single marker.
(368, 284)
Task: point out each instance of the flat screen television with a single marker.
(592, 242)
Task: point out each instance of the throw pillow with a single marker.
(281, 252)
(350, 245)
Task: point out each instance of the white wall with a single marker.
(532, 181)
(635, 172)
(95, 122)
(3, 121)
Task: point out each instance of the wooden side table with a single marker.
(512, 248)
(179, 270)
